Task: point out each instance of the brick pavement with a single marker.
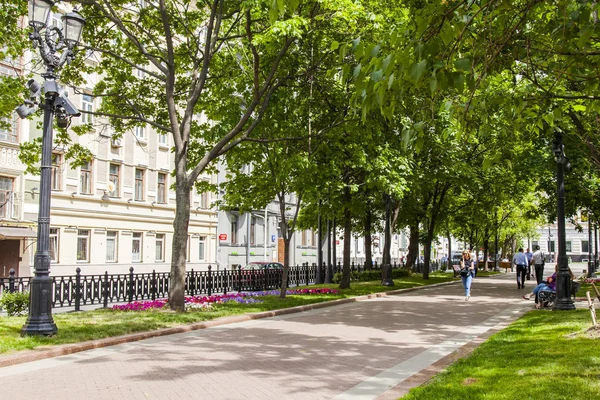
(370, 349)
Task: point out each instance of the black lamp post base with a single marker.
(40, 322)
(564, 305)
(43, 326)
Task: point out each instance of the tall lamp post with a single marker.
(56, 49)
(590, 268)
(563, 281)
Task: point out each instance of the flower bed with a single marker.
(592, 280)
(205, 302)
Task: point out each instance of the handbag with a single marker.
(464, 272)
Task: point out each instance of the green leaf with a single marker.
(463, 64)
(357, 70)
(334, 45)
(417, 70)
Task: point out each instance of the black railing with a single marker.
(82, 290)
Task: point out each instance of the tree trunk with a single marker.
(179, 248)
(387, 246)
(427, 251)
(345, 282)
(286, 265)
(449, 266)
(413, 247)
(368, 240)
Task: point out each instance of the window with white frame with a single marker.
(53, 245)
(140, 132)
(568, 245)
(111, 246)
(161, 188)
(204, 200)
(234, 229)
(202, 248)
(56, 171)
(163, 139)
(85, 178)
(139, 184)
(114, 177)
(585, 246)
(136, 247)
(6, 195)
(87, 106)
(159, 247)
(83, 245)
(8, 130)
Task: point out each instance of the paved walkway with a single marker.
(373, 349)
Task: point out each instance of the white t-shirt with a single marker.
(538, 257)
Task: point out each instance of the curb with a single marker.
(66, 349)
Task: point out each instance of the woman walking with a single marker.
(467, 270)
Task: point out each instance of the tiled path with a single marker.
(365, 350)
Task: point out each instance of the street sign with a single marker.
(273, 238)
(223, 236)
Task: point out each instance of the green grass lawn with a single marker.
(543, 355)
(87, 325)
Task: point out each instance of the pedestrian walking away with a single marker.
(520, 260)
(538, 264)
(467, 271)
(529, 256)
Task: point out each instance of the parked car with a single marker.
(261, 275)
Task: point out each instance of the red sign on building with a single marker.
(223, 236)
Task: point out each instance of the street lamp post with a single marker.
(50, 41)
(563, 281)
(590, 268)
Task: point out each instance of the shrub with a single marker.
(16, 303)
(370, 275)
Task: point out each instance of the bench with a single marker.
(546, 298)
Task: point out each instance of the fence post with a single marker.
(239, 278)
(307, 275)
(192, 283)
(210, 282)
(105, 291)
(11, 280)
(153, 289)
(226, 280)
(77, 292)
(352, 266)
(130, 284)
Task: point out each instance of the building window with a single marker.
(85, 178)
(139, 184)
(56, 171)
(114, 173)
(163, 139)
(8, 133)
(111, 246)
(569, 247)
(83, 245)
(140, 132)
(202, 248)
(551, 247)
(54, 245)
(303, 242)
(234, 229)
(204, 200)
(6, 190)
(136, 247)
(159, 247)
(585, 246)
(252, 230)
(313, 238)
(87, 105)
(161, 188)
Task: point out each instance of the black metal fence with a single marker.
(77, 290)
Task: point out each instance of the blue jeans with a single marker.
(466, 281)
(540, 287)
